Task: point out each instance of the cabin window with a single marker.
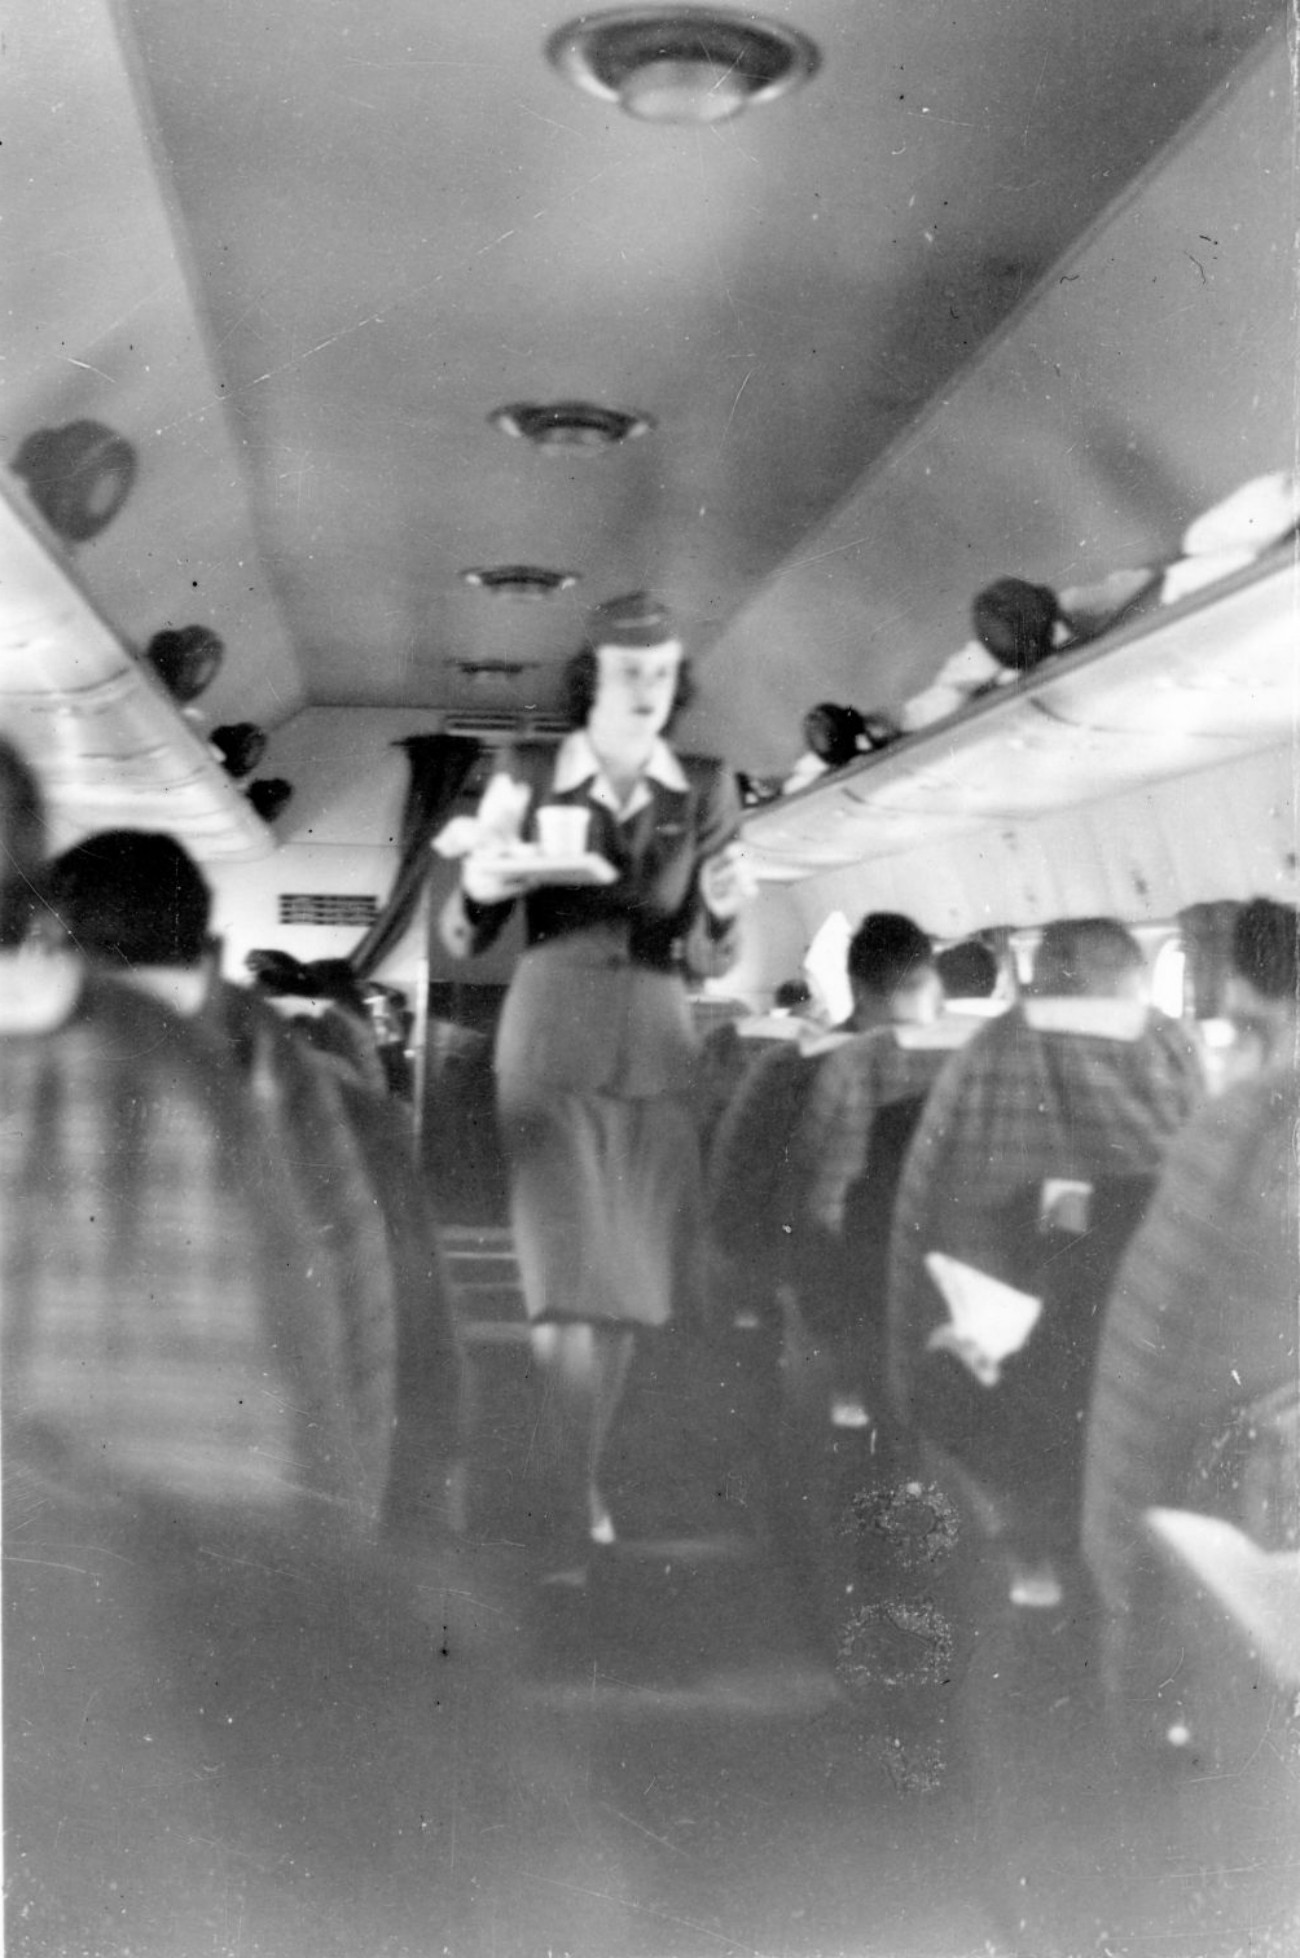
(1169, 978)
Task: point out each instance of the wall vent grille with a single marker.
(505, 725)
(327, 908)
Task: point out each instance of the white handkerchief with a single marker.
(496, 824)
(1258, 1589)
(990, 1320)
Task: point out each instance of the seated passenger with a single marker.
(1194, 1408)
(1033, 1159)
(968, 973)
(324, 1001)
(752, 1199)
(1201, 1325)
(1260, 997)
(848, 1148)
(728, 1051)
(220, 1695)
(138, 907)
(156, 1257)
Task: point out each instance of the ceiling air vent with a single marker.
(328, 908)
(520, 580)
(505, 670)
(570, 424)
(681, 64)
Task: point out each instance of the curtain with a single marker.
(440, 765)
(1207, 941)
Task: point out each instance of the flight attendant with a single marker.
(596, 1051)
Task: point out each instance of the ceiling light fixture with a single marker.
(569, 425)
(681, 64)
(520, 580)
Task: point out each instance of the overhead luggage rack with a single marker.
(1105, 739)
(112, 746)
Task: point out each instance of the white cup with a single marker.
(562, 830)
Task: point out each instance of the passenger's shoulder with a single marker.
(1257, 1114)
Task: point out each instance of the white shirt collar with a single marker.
(577, 762)
(1105, 1019)
(38, 989)
(183, 988)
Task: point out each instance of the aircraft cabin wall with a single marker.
(1148, 377)
(1154, 373)
(337, 839)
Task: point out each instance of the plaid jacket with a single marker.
(868, 1073)
(1203, 1321)
(311, 1108)
(837, 1273)
(167, 1321)
(1017, 1107)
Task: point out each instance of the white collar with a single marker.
(183, 988)
(577, 762)
(817, 1041)
(948, 1032)
(1106, 1019)
(38, 989)
(771, 1026)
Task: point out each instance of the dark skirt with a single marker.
(605, 1200)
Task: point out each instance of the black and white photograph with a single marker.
(650, 979)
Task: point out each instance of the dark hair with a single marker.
(792, 993)
(1084, 957)
(286, 977)
(132, 895)
(1264, 947)
(581, 679)
(1014, 620)
(884, 949)
(968, 970)
(22, 845)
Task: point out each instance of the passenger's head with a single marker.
(133, 898)
(1092, 958)
(324, 1001)
(22, 846)
(316, 982)
(792, 996)
(1264, 984)
(632, 673)
(968, 970)
(891, 970)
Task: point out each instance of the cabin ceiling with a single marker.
(298, 254)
